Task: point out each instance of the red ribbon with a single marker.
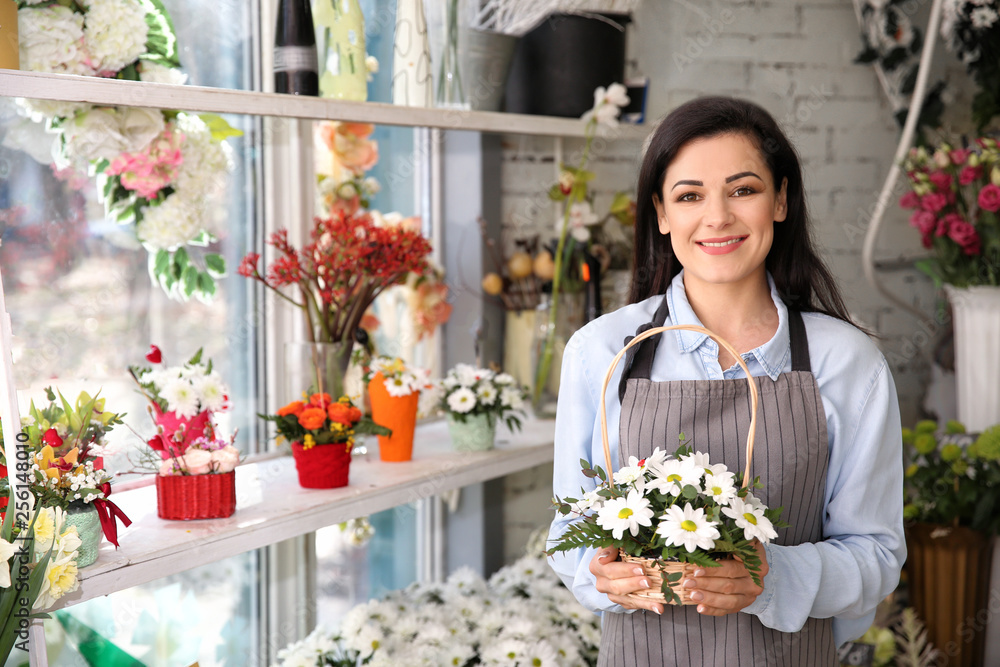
(107, 512)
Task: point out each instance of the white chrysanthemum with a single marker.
(115, 33)
(688, 528)
(751, 519)
(589, 500)
(629, 474)
(508, 652)
(156, 73)
(466, 375)
(169, 225)
(462, 400)
(467, 582)
(367, 640)
(51, 40)
(983, 17)
(673, 475)
(180, 397)
(211, 392)
(487, 393)
(542, 654)
(504, 379)
(450, 382)
(621, 514)
(721, 486)
(511, 397)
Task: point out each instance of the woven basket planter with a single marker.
(322, 466)
(654, 571)
(187, 497)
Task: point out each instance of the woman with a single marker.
(722, 241)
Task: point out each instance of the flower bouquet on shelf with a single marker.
(162, 173)
(522, 616)
(65, 443)
(671, 512)
(474, 399)
(972, 31)
(394, 389)
(350, 260)
(322, 433)
(955, 194)
(195, 470)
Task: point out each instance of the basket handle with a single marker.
(685, 327)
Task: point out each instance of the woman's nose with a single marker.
(718, 212)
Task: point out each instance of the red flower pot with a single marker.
(322, 466)
(185, 497)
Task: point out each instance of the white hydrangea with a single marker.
(171, 224)
(206, 163)
(51, 40)
(115, 33)
(156, 73)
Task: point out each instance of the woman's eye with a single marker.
(743, 191)
(688, 196)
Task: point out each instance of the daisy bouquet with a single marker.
(398, 379)
(182, 401)
(521, 616)
(161, 172)
(679, 508)
(469, 391)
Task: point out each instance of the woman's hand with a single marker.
(724, 589)
(618, 579)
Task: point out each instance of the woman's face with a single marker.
(719, 204)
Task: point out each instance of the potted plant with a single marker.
(322, 433)
(65, 443)
(394, 389)
(473, 400)
(952, 494)
(195, 470)
(955, 197)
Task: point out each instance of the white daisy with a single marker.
(721, 486)
(511, 397)
(688, 528)
(212, 391)
(180, 397)
(466, 375)
(673, 475)
(542, 654)
(504, 379)
(751, 519)
(462, 400)
(630, 512)
(630, 474)
(487, 393)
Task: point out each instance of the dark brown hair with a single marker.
(801, 277)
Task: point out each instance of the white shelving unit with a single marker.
(112, 92)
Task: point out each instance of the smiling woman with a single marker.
(722, 241)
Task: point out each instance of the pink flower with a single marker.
(959, 155)
(970, 174)
(934, 202)
(965, 235)
(197, 462)
(910, 200)
(940, 179)
(169, 467)
(225, 459)
(924, 221)
(152, 169)
(989, 198)
(949, 222)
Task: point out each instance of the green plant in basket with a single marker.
(671, 509)
(953, 478)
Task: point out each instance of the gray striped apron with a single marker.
(790, 456)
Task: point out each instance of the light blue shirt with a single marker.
(858, 563)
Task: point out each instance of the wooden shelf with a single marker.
(95, 90)
(272, 507)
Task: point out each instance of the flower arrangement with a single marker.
(972, 31)
(956, 200)
(572, 190)
(952, 478)
(319, 420)
(671, 508)
(159, 171)
(522, 616)
(468, 391)
(351, 259)
(351, 152)
(398, 378)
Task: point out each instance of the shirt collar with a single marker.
(772, 355)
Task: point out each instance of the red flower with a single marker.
(965, 235)
(934, 202)
(312, 418)
(248, 267)
(989, 198)
(154, 356)
(970, 174)
(910, 200)
(941, 179)
(343, 413)
(52, 439)
(320, 400)
(293, 408)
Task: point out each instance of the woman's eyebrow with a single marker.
(729, 179)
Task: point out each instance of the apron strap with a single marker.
(638, 362)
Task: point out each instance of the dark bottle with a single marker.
(296, 69)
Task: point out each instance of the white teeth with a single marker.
(723, 244)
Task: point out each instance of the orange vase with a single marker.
(397, 413)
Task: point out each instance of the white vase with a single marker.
(411, 57)
(977, 354)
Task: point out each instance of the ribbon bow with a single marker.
(107, 512)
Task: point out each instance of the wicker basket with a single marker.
(653, 569)
(187, 497)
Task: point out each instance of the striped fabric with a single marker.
(790, 457)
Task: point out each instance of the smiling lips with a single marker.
(721, 246)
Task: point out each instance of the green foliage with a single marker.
(181, 277)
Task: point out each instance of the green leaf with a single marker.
(216, 265)
(689, 492)
(220, 129)
(190, 279)
(206, 286)
(161, 40)
(182, 259)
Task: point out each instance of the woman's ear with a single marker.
(781, 202)
(661, 216)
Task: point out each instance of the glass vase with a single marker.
(317, 368)
(545, 375)
(450, 92)
(341, 29)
